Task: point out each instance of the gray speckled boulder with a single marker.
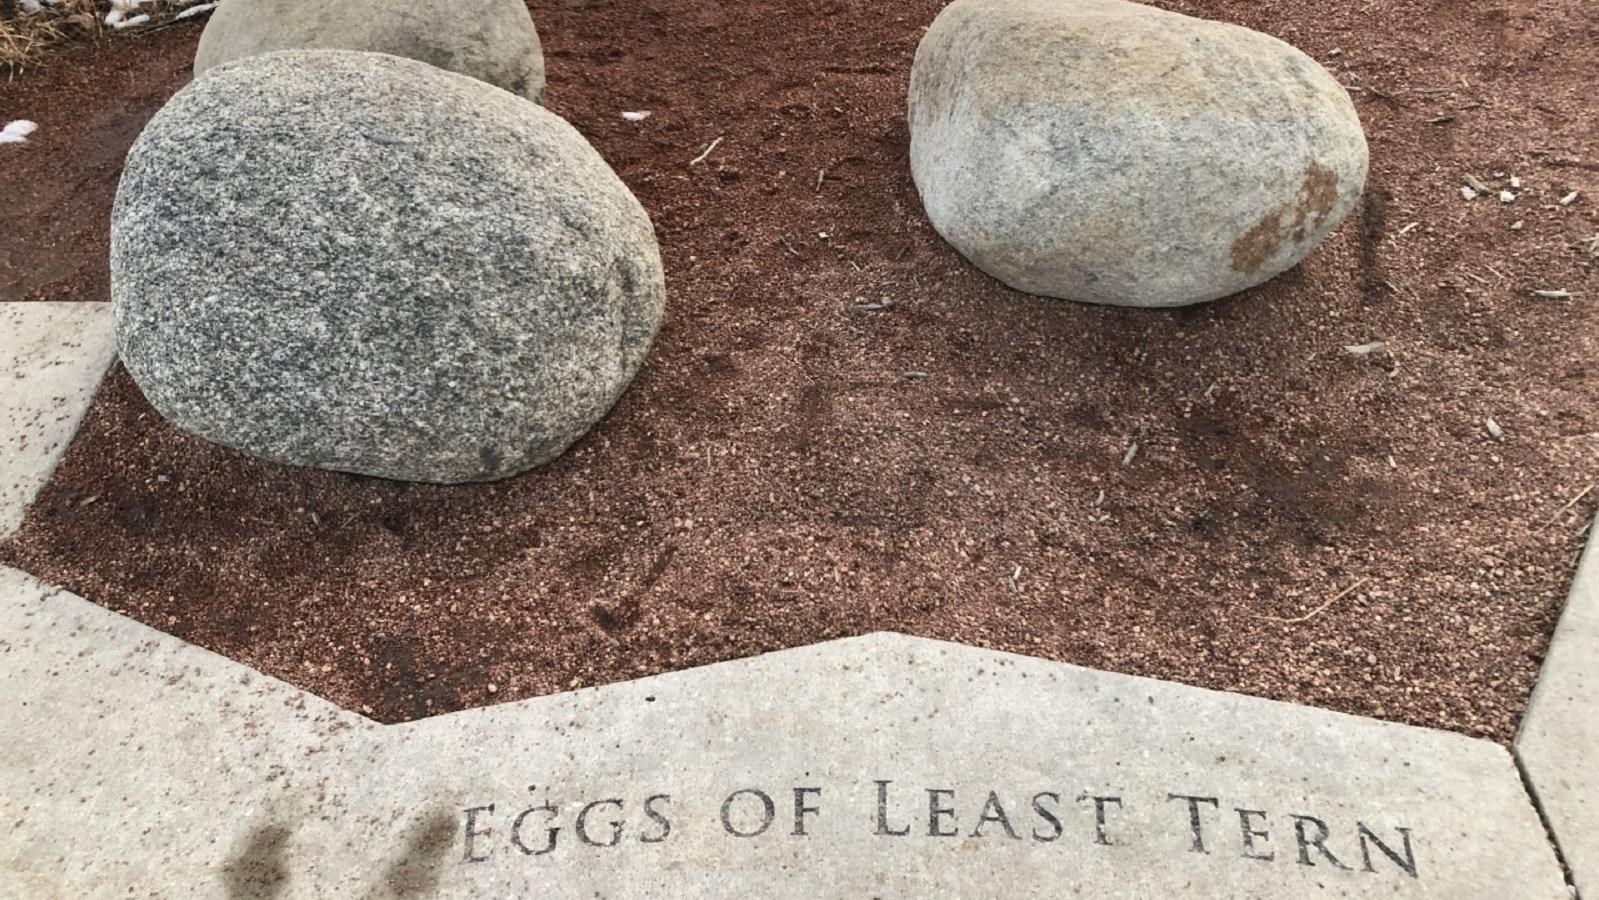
(490, 40)
(364, 263)
(1109, 152)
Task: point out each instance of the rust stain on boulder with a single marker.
(1289, 223)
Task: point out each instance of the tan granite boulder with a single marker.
(1110, 152)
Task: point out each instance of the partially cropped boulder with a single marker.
(364, 263)
(1109, 152)
(490, 40)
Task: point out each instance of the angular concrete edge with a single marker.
(53, 357)
(204, 779)
(1558, 745)
(146, 742)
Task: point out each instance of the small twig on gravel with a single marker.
(884, 306)
(1367, 89)
(701, 158)
(1572, 502)
(787, 246)
(1366, 349)
(821, 175)
(1553, 295)
(1132, 454)
(1409, 228)
(1320, 609)
(1569, 198)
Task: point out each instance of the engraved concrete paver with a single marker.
(880, 766)
(1559, 740)
(899, 767)
(52, 357)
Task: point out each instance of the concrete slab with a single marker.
(52, 358)
(1559, 740)
(879, 766)
(129, 756)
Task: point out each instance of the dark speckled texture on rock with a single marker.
(490, 40)
(1110, 152)
(364, 263)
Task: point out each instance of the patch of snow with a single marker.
(17, 132)
(196, 10)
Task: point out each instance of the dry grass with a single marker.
(25, 37)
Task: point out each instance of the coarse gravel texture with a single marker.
(799, 462)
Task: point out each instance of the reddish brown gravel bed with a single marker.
(774, 479)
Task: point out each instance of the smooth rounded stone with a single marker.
(490, 40)
(1109, 152)
(364, 263)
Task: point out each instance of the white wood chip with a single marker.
(1366, 349)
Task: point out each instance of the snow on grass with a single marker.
(35, 25)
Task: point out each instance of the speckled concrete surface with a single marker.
(1559, 740)
(52, 357)
(877, 766)
(132, 759)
